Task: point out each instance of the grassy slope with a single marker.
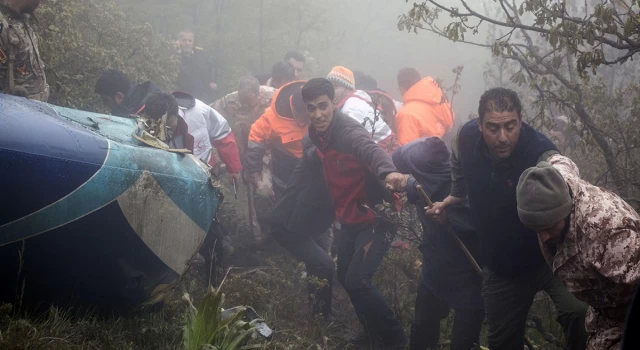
(267, 279)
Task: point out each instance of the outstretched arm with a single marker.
(375, 158)
(225, 143)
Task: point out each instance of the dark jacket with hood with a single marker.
(508, 247)
(446, 271)
(135, 98)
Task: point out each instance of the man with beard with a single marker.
(590, 238)
(21, 67)
(487, 159)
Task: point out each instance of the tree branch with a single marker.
(472, 13)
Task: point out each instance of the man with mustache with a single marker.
(488, 157)
(591, 239)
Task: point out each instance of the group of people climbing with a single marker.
(504, 214)
(337, 151)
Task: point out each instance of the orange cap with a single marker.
(342, 76)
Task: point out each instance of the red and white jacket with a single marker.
(359, 106)
(209, 129)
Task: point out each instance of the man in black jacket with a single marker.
(359, 174)
(487, 159)
(196, 75)
(120, 95)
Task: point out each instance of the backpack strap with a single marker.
(376, 109)
(380, 95)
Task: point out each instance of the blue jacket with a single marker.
(508, 247)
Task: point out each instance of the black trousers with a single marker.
(507, 303)
(425, 329)
(318, 263)
(361, 249)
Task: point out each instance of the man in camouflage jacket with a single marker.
(591, 239)
(243, 107)
(21, 67)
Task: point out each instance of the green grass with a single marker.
(268, 279)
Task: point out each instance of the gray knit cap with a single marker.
(543, 197)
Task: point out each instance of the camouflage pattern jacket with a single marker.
(241, 117)
(599, 259)
(18, 39)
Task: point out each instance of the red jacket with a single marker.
(354, 169)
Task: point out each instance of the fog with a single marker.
(359, 34)
(369, 40)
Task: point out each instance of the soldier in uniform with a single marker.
(21, 67)
(591, 239)
(243, 107)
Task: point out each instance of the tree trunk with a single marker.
(261, 35)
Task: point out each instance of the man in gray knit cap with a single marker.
(591, 239)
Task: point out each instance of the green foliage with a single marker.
(600, 34)
(559, 56)
(72, 329)
(206, 326)
(81, 38)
